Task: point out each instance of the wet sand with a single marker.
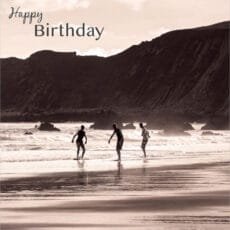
(191, 196)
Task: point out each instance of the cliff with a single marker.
(181, 73)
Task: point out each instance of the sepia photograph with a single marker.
(114, 114)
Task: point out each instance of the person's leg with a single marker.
(118, 154)
(144, 151)
(118, 151)
(83, 150)
(143, 145)
(119, 147)
(78, 150)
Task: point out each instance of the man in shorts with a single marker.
(79, 142)
(145, 135)
(120, 140)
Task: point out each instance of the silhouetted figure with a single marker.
(120, 140)
(145, 135)
(79, 142)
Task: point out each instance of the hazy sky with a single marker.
(126, 22)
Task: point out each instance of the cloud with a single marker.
(70, 4)
(98, 51)
(136, 5)
(45, 5)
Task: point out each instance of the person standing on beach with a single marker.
(145, 135)
(120, 140)
(79, 142)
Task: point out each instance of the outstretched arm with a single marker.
(74, 137)
(111, 137)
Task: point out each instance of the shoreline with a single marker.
(25, 169)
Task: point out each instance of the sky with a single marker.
(125, 22)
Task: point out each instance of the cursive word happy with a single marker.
(25, 16)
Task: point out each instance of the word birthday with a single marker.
(25, 16)
(68, 31)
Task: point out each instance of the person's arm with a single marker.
(85, 139)
(74, 137)
(111, 137)
(148, 134)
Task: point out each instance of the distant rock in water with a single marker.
(187, 126)
(106, 119)
(174, 128)
(46, 126)
(210, 133)
(218, 123)
(105, 124)
(28, 133)
(129, 126)
(172, 124)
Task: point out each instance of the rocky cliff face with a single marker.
(184, 72)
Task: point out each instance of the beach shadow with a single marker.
(192, 201)
(34, 225)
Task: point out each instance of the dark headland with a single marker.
(180, 76)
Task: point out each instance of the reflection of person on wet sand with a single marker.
(144, 168)
(120, 140)
(119, 168)
(79, 142)
(81, 164)
(118, 175)
(145, 135)
(82, 175)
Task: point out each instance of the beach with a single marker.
(183, 184)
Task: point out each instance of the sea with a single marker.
(50, 152)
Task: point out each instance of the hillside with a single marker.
(184, 72)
